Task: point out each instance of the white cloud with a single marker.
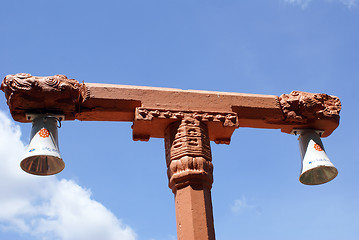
(350, 3)
(302, 3)
(305, 3)
(171, 237)
(241, 205)
(46, 207)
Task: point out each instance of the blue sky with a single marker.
(114, 188)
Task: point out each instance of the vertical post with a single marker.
(189, 170)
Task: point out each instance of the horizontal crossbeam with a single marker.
(109, 102)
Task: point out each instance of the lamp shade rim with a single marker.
(35, 165)
(330, 171)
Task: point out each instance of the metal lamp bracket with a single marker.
(33, 116)
(300, 131)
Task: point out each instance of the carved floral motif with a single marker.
(299, 107)
(188, 153)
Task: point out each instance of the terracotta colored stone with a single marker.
(30, 94)
(190, 169)
(188, 153)
(108, 102)
(301, 107)
(194, 216)
(152, 123)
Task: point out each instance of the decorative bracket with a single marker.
(150, 122)
(302, 107)
(39, 95)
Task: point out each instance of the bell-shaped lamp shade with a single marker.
(316, 166)
(43, 155)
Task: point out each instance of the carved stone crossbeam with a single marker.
(109, 102)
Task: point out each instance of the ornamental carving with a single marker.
(25, 92)
(227, 119)
(24, 82)
(299, 107)
(188, 154)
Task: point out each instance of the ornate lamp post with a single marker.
(188, 120)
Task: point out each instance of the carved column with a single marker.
(188, 158)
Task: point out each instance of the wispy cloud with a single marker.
(301, 3)
(171, 237)
(242, 205)
(305, 3)
(46, 207)
(350, 3)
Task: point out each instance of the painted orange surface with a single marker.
(44, 133)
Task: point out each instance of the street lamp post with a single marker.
(188, 120)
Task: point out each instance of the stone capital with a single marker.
(188, 154)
